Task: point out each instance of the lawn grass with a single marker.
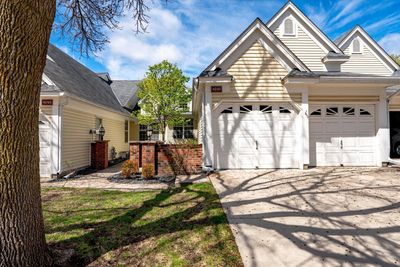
(178, 227)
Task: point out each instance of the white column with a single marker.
(208, 134)
(55, 132)
(305, 136)
(383, 134)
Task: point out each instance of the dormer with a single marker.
(303, 37)
(365, 55)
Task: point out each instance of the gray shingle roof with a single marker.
(75, 79)
(125, 91)
(343, 36)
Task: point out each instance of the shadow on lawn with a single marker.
(337, 217)
(121, 231)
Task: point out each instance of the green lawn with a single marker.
(179, 227)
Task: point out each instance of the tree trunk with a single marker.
(25, 28)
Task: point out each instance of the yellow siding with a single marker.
(305, 48)
(115, 133)
(366, 63)
(46, 110)
(257, 76)
(76, 138)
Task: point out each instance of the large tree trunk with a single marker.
(25, 28)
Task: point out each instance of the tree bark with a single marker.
(25, 28)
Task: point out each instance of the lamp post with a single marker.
(102, 132)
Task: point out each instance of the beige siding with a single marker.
(257, 76)
(366, 63)
(305, 48)
(76, 138)
(46, 110)
(115, 133)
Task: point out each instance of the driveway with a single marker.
(317, 217)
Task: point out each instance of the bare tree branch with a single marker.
(86, 21)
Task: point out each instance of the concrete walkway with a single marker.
(99, 180)
(317, 217)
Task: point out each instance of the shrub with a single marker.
(148, 171)
(128, 168)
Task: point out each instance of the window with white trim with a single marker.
(144, 130)
(288, 27)
(246, 109)
(356, 46)
(184, 131)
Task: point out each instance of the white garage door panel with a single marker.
(344, 138)
(256, 138)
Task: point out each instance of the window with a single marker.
(143, 131)
(283, 110)
(364, 112)
(184, 131)
(348, 111)
(126, 131)
(356, 46)
(317, 112)
(227, 110)
(333, 111)
(288, 27)
(266, 109)
(246, 109)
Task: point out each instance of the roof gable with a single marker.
(291, 8)
(257, 31)
(343, 41)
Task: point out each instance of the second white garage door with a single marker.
(255, 136)
(342, 135)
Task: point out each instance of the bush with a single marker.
(148, 171)
(129, 168)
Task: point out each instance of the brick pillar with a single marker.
(134, 153)
(99, 153)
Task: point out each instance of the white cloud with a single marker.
(391, 43)
(186, 34)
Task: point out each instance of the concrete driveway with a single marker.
(317, 217)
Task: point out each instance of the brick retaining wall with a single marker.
(167, 159)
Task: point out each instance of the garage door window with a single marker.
(246, 109)
(316, 113)
(283, 110)
(266, 109)
(332, 111)
(227, 110)
(364, 112)
(348, 111)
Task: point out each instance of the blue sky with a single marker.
(191, 33)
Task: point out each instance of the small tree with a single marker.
(396, 58)
(163, 97)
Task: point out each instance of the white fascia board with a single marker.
(306, 20)
(326, 60)
(51, 94)
(301, 66)
(382, 54)
(47, 80)
(374, 80)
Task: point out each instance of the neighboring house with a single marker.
(74, 102)
(283, 95)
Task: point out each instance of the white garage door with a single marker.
(255, 136)
(45, 154)
(342, 135)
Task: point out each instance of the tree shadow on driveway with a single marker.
(319, 217)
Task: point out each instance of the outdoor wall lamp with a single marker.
(101, 132)
(149, 133)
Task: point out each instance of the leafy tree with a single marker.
(25, 28)
(396, 58)
(163, 97)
